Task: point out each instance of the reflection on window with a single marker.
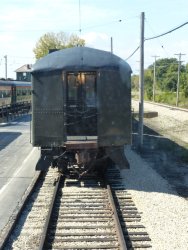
(81, 88)
(5, 93)
(72, 94)
(90, 90)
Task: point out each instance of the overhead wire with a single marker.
(163, 34)
(133, 53)
(80, 24)
(158, 40)
(104, 24)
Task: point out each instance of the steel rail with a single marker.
(45, 229)
(167, 106)
(29, 191)
(119, 231)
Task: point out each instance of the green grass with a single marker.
(165, 97)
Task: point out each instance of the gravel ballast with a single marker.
(165, 214)
(170, 122)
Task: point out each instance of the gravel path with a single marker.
(170, 122)
(165, 214)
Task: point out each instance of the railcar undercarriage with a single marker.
(80, 158)
(76, 159)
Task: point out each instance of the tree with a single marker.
(184, 83)
(135, 82)
(53, 40)
(166, 73)
(148, 83)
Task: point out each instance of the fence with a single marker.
(9, 112)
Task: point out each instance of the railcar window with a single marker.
(90, 90)
(81, 88)
(72, 84)
(8, 93)
(24, 92)
(18, 92)
(5, 93)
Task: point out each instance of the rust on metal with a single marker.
(81, 144)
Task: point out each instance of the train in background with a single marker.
(81, 109)
(12, 92)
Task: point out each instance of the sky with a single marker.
(24, 22)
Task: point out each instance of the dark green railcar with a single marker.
(81, 103)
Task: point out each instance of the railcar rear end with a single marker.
(81, 103)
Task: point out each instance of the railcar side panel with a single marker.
(114, 104)
(5, 95)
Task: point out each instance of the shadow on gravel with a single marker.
(169, 159)
(7, 137)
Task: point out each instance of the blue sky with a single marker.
(24, 22)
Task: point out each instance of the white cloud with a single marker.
(97, 40)
(92, 37)
(24, 22)
(6, 38)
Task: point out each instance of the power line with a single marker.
(163, 34)
(133, 53)
(101, 25)
(67, 30)
(161, 45)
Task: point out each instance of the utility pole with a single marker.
(178, 82)
(5, 66)
(154, 77)
(111, 43)
(141, 82)
(80, 24)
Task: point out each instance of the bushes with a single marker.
(149, 93)
(168, 98)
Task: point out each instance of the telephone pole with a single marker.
(5, 66)
(178, 82)
(111, 44)
(154, 77)
(141, 82)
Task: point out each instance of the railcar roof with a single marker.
(80, 58)
(15, 83)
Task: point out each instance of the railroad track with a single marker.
(81, 214)
(168, 106)
(163, 105)
(83, 218)
(24, 231)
